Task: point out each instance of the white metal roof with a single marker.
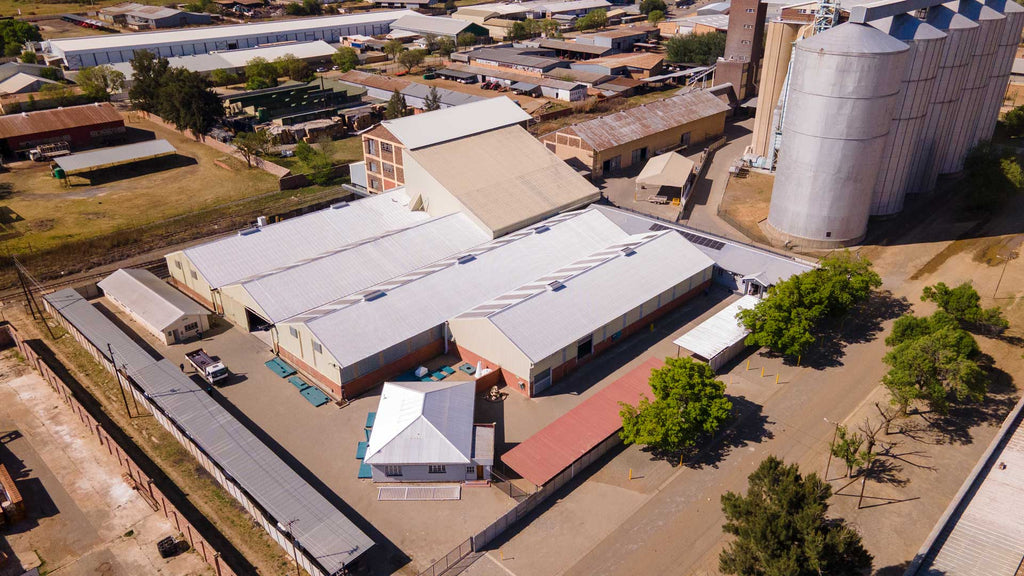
(716, 334)
(230, 59)
(231, 259)
(113, 156)
(430, 25)
(457, 122)
(353, 329)
(210, 33)
(540, 319)
(18, 82)
(423, 423)
(304, 285)
(149, 298)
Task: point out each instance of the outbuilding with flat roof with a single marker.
(163, 311)
(721, 337)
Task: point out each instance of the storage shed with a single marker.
(163, 311)
(80, 126)
(720, 338)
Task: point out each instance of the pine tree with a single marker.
(397, 107)
(433, 100)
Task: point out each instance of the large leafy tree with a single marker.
(934, 360)
(964, 304)
(411, 59)
(781, 528)
(186, 100)
(15, 33)
(785, 321)
(294, 68)
(592, 20)
(699, 49)
(251, 145)
(346, 58)
(648, 6)
(259, 73)
(148, 74)
(689, 402)
(445, 46)
(99, 82)
(393, 48)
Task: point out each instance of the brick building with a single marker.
(744, 46)
(84, 126)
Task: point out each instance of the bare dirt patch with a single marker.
(745, 203)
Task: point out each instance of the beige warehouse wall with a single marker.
(182, 270)
(235, 299)
(482, 338)
(700, 131)
(301, 346)
(436, 199)
(568, 146)
(777, 54)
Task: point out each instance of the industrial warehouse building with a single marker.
(436, 26)
(83, 126)
(236, 60)
(622, 139)
(424, 432)
(143, 17)
(88, 51)
(163, 311)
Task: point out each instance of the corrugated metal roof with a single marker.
(107, 157)
(211, 33)
(57, 119)
(228, 59)
(423, 423)
(353, 329)
(149, 298)
(669, 169)
(449, 98)
(449, 124)
(508, 74)
(635, 123)
(430, 25)
(20, 81)
(514, 56)
(716, 334)
(555, 447)
(573, 46)
(318, 527)
(304, 285)
(505, 178)
(248, 253)
(594, 290)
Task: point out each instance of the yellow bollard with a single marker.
(630, 473)
(776, 378)
(762, 371)
(748, 363)
(798, 359)
(501, 555)
(680, 459)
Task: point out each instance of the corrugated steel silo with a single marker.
(1000, 72)
(911, 110)
(842, 91)
(972, 99)
(961, 36)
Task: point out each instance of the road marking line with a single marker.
(499, 564)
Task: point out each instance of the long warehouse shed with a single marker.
(88, 51)
(322, 540)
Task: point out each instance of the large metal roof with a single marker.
(505, 178)
(716, 334)
(57, 119)
(592, 292)
(430, 25)
(318, 527)
(304, 285)
(355, 328)
(149, 298)
(439, 126)
(230, 59)
(423, 423)
(258, 250)
(114, 156)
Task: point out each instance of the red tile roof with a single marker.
(554, 448)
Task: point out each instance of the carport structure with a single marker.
(114, 156)
(720, 338)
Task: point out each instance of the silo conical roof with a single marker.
(905, 27)
(850, 38)
(945, 18)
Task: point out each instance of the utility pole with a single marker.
(24, 276)
(24, 288)
(287, 529)
(831, 447)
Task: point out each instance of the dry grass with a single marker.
(35, 8)
(745, 203)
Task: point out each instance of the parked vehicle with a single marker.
(45, 152)
(211, 370)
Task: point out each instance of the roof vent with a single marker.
(628, 250)
(337, 205)
(542, 229)
(248, 231)
(373, 295)
(465, 258)
(555, 286)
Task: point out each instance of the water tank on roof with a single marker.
(843, 88)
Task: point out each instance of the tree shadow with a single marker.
(955, 427)
(860, 325)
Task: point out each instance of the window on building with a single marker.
(317, 347)
(436, 468)
(374, 184)
(191, 326)
(389, 169)
(744, 41)
(385, 147)
(371, 146)
(748, 26)
(750, 10)
(194, 275)
(177, 264)
(585, 347)
(371, 166)
(470, 470)
(392, 470)
(293, 332)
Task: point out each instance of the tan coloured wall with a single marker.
(778, 51)
(700, 131)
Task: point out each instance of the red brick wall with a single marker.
(195, 295)
(310, 372)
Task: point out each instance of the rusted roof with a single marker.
(643, 60)
(555, 447)
(378, 81)
(636, 123)
(25, 123)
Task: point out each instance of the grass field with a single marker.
(35, 8)
(344, 151)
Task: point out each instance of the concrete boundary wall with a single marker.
(143, 483)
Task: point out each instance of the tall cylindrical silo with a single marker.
(911, 109)
(842, 91)
(1000, 72)
(965, 120)
(961, 36)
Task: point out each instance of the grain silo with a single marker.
(967, 116)
(961, 36)
(911, 108)
(843, 87)
(1000, 72)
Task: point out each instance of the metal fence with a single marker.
(501, 482)
(450, 560)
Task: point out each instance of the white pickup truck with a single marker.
(211, 370)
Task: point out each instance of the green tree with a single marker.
(148, 74)
(991, 177)
(655, 16)
(15, 33)
(397, 106)
(393, 48)
(785, 321)
(294, 68)
(449, 5)
(698, 49)
(224, 78)
(518, 31)
(689, 403)
(964, 304)
(51, 73)
(781, 528)
(466, 39)
(934, 360)
(430, 43)
(59, 93)
(252, 145)
(847, 448)
(411, 59)
(186, 101)
(432, 101)
(99, 82)
(648, 6)
(317, 162)
(445, 46)
(346, 58)
(594, 20)
(1013, 122)
(313, 7)
(28, 57)
(259, 73)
